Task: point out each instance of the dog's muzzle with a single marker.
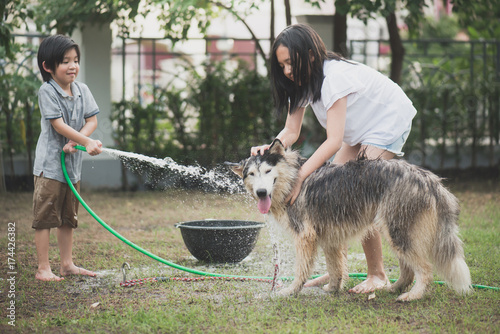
(261, 193)
(264, 203)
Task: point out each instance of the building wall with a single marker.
(95, 71)
(95, 40)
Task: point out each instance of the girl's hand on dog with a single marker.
(255, 150)
(295, 191)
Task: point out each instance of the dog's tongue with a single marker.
(264, 204)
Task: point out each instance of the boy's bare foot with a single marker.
(371, 284)
(47, 276)
(74, 270)
(317, 281)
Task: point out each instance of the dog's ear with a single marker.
(237, 168)
(277, 147)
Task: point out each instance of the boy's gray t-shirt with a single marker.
(55, 103)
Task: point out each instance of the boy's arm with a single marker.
(92, 146)
(90, 126)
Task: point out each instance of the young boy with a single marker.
(68, 118)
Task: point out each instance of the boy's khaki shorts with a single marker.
(54, 204)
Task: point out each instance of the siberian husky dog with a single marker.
(411, 208)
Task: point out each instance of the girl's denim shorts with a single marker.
(395, 147)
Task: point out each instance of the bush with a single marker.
(218, 116)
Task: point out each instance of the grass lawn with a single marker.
(100, 305)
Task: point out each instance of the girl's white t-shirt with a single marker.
(378, 111)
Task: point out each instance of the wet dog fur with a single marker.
(410, 207)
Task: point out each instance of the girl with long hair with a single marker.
(362, 110)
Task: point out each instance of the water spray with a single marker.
(182, 268)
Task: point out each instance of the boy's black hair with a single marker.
(52, 51)
(303, 43)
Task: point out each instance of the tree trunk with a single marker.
(340, 29)
(272, 33)
(288, 13)
(397, 49)
(242, 20)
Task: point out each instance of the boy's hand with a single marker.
(70, 147)
(94, 147)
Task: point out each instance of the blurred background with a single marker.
(189, 79)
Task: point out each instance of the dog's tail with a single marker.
(448, 251)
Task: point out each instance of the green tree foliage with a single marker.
(18, 82)
(217, 117)
(235, 113)
(18, 101)
(65, 16)
(225, 111)
(178, 16)
(482, 18)
(455, 90)
(13, 15)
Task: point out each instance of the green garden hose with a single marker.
(128, 242)
(171, 264)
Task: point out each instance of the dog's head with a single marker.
(269, 177)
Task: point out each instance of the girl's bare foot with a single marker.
(322, 280)
(74, 270)
(44, 275)
(371, 284)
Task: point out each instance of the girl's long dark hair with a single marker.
(307, 54)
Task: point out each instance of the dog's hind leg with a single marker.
(414, 257)
(306, 246)
(423, 277)
(336, 264)
(405, 278)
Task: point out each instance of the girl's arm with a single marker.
(290, 133)
(335, 123)
(92, 146)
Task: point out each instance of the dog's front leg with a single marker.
(306, 249)
(336, 264)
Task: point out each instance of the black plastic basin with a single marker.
(219, 241)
